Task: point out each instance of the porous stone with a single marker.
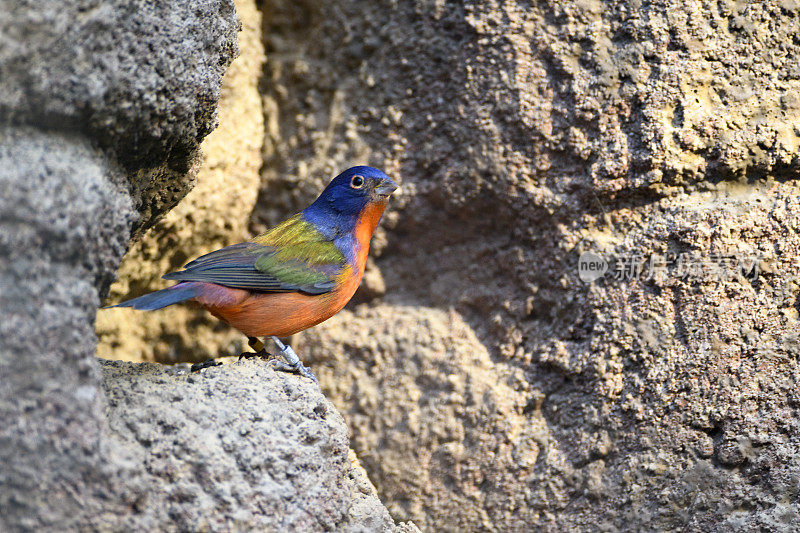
(102, 107)
(140, 79)
(236, 447)
(423, 390)
(525, 134)
(65, 217)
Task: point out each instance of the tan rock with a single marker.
(487, 387)
(443, 429)
(525, 134)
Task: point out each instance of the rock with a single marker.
(140, 79)
(102, 107)
(487, 386)
(525, 134)
(65, 216)
(102, 110)
(236, 447)
(423, 390)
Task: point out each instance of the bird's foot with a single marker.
(292, 363)
(197, 367)
(298, 368)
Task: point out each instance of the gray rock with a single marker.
(139, 78)
(102, 107)
(139, 447)
(236, 447)
(65, 216)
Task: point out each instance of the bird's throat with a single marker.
(365, 227)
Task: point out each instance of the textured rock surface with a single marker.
(102, 108)
(236, 448)
(140, 79)
(525, 134)
(64, 223)
(421, 389)
(214, 214)
(490, 388)
(101, 113)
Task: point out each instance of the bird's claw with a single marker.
(293, 362)
(298, 368)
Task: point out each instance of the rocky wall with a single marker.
(661, 134)
(93, 150)
(487, 385)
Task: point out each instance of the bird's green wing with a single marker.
(293, 256)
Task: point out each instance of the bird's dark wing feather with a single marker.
(242, 254)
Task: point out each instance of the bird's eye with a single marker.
(357, 181)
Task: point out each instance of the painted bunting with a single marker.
(293, 276)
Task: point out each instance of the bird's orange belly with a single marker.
(283, 314)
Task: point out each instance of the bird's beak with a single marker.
(386, 188)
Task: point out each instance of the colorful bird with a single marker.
(295, 275)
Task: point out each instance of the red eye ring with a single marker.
(357, 181)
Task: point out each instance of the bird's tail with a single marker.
(156, 300)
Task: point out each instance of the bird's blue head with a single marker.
(349, 193)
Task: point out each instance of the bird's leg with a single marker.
(258, 346)
(292, 363)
